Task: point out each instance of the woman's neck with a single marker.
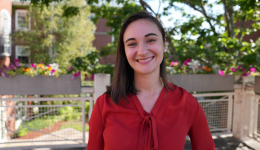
(150, 83)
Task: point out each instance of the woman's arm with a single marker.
(199, 133)
(96, 128)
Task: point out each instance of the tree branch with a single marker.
(201, 11)
(240, 36)
(230, 18)
(159, 7)
(207, 18)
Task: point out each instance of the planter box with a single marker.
(39, 85)
(257, 84)
(203, 82)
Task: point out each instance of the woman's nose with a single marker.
(142, 49)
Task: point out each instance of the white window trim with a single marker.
(19, 54)
(16, 20)
(10, 31)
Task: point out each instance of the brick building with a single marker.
(13, 12)
(252, 36)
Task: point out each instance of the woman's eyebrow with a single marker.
(149, 34)
(129, 39)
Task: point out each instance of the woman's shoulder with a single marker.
(182, 95)
(102, 99)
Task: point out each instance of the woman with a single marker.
(141, 110)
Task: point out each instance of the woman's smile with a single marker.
(145, 60)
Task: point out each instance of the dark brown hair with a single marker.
(2, 61)
(123, 79)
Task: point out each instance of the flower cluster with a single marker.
(32, 70)
(11, 70)
(238, 71)
(41, 69)
(191, 66)
(77, 73)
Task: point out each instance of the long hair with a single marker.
(123, 79)
(2, 61)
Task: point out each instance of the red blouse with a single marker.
(128, 126)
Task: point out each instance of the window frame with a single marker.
(17, 27)
(17, 54)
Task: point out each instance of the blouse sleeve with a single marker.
(96, 128)
(199, 133)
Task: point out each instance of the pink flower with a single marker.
(16, 60)
(17, 64)
(71, 67)
(33, 65)
(244, 74)
(3, 74)
(188, 60)
(75, 75)
(244, 70)
(253, 70)
(221, 72)
(172, 63)
(12, 67)
(185, 63)
(92, 77)
(52, 71)
(239, 67)
(233, 69)
(249, 73)
(48, 66)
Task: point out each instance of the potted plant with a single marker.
(38, 79)
(194, 76)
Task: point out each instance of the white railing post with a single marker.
(83, 121)
(237, 116)
(100, 83)
(243, 110)
(230, 110)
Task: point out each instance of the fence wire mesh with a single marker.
(43, 121)
(216, 113)
(218, 108)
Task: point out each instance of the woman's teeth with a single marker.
(145, 59)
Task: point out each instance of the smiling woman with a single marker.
(142, 110)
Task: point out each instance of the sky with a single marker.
(175, 14)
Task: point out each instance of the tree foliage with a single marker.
(53, 37)
(219, 42)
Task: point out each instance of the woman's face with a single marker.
(144, 46)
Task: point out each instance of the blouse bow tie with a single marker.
(148, 139)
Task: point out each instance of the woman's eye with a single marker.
(151, 40)
(131, 44)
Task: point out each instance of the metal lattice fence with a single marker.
(218, 110)
(51, 121)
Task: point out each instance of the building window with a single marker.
(22, 54)
(20, 20)
(91, 15)
(5, 27)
